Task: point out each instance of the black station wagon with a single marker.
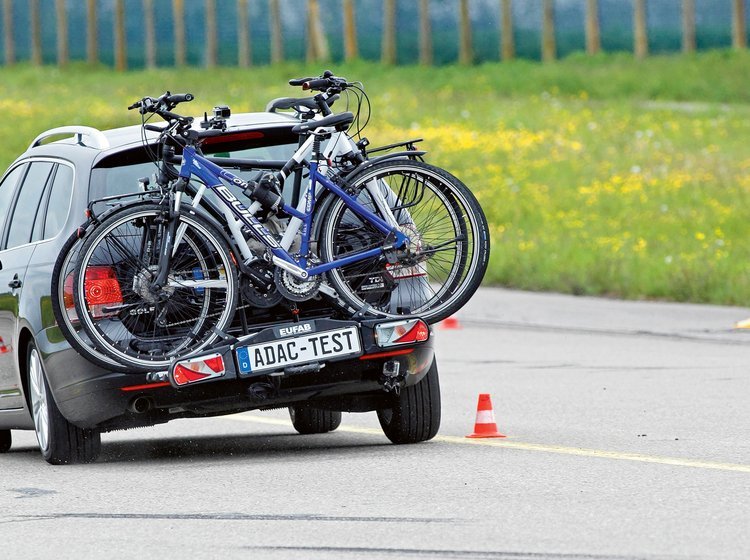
(70, 399)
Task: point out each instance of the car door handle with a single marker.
(15, 283)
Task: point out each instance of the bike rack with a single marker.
(96, 137)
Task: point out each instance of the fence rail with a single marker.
(133, 36)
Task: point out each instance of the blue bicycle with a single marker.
(163, 277)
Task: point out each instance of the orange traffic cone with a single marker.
(3, 348)
(450, 323)
(485, 426)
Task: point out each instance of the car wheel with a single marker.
(307, 420)
(413, 415)
(60, 441)
(5, 441)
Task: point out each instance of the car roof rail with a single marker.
(94, 138)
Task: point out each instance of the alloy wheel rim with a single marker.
(39, 405)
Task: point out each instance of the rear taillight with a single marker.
(70, 307)
(102, 291)
(198, 369)
(408, 331)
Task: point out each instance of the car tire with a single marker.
(5, 441)
(308, 420)
(413, 415)
(60, 442)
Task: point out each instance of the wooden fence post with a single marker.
(210, 40)
(425, 34)
(350, 31)
(549, 50)
(640, 29)
(92, 53)
(62, 33)
(10, 51)
(593, 35)
(507, 41)
(277, 46)
(150, 33)
(688, 26)
(388, 49)
(317, 45)
(36, 33)
(244, 47)
(121, 47)
(739, 29)
(465, 51)
(178, 21)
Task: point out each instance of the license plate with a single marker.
(286, 352)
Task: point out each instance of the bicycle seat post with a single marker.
(316, 147)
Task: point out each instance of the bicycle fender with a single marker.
(407, 154)
(321, 210)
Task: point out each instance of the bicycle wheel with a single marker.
(130, 321)
(64, 309)
(448, 247)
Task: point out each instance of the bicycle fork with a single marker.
(168, 238)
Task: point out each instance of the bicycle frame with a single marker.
(238, 214)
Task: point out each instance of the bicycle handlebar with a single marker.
(320, 84)
(162, 105)
(299, 81)
(326, 83)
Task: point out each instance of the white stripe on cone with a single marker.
(485, 417)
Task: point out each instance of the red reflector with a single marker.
(418, 333)
(147, 386)
(216, 364)
(399, 352)
(102, 289)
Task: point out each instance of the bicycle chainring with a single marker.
(296, 289)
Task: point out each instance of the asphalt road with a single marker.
(628, 437)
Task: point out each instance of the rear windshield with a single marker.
(120, 173)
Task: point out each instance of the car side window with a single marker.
(59, 201)
(28, 204)
(7, 188)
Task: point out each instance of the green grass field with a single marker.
(598, 175)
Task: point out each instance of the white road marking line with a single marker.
(559, 449)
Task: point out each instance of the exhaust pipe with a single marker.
(140, 405)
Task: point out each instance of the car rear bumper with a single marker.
(354, 383)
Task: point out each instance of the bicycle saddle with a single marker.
(297, 103)
(341, 122)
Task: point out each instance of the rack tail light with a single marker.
(195, 370)
(408, 331)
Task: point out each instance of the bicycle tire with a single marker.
(127, 320)
(63, 306)
(449, 242)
